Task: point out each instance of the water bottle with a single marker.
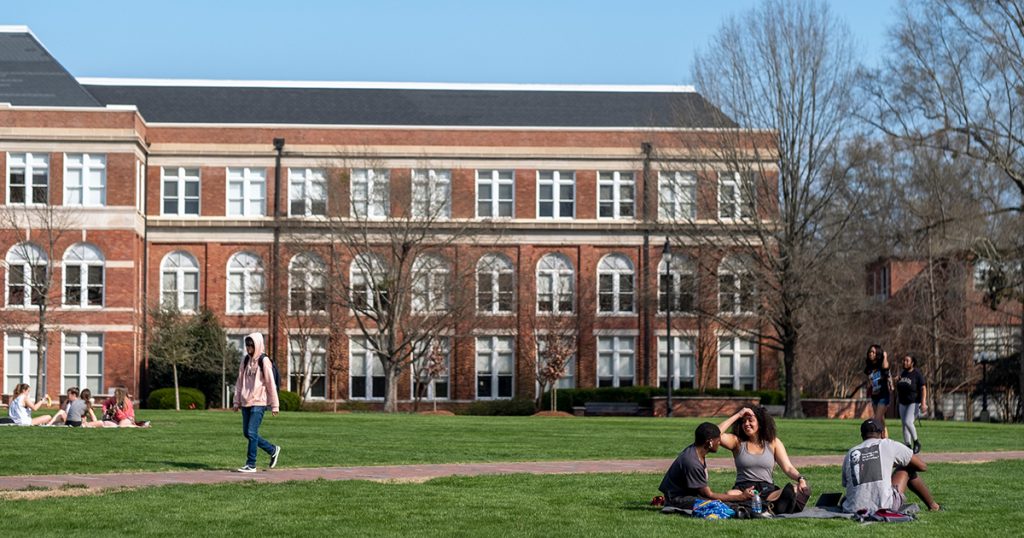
(755, 503)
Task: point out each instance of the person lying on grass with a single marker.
(756, 449)
(877, 473)
(74, 410)
(687, 477)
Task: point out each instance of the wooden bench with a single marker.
(611, 409)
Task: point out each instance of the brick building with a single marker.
(172, 196)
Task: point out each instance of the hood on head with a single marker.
(257, 340)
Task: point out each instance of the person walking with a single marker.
(255, 391)
(912, 394)
(876, 367)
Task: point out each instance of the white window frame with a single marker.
(743, 201)
(249, 268)
(302, 182)
(735, 357)
(376, 205)
(313, 271)
(364, 273)
(431, 394)
(431, 278)
(677, 196)
(252, 184)
(616, 354)
(92, 258)
(616, 181)
(494, 266)
(82, 351)
(608, 267)
(432, 194)
(684, 360)
(681, 269)
(179, 272)
(372, 367)
(30, 165)
(568, 381)
(560, 277)
(181, 178)
(315, 357)
(16, 258)
(993, 342)
(495, 179)
(556, 179)
(737, 270)
(487, 349)
(26, 361)
(89, 168)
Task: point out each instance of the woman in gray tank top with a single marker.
(756, 450)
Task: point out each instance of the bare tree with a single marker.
(307, 319)
(782, 75)
(430, 364)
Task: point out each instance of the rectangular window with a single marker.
(431, 368)
(997, 342)
(307, 192)
(247, 192)
(736, 195)
(495, 192)
(737, 363)
(371, 193)
(616, 361)
(28, 178)
(366, 373)
(180, 191)
(616, 195)
(556, 194)
(568, 380)
(85, 179)
(83, 362)
(431, 194)
(684, 292)
(677, 196)
(684, 363)
(21, 355)
(495, 363)
(307, 366)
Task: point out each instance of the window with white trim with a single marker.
(21, 357)
(736, 195)
(245, 283)
(432, 194)
(371, 193)
(684, 364)
(435, 359)
(615, 285)
(737, 363)
(367, 275)
(306, 284)
(495, 284)
(27, 278)
(307, 192)
(430, 282)
(567, 381)
(83, 362)
(495, 194)
(307, 366)
(179, 282)
(677, 196)
(85, 179)
(681, 281)
(616, 361)
(495, 366)
(737, 293)
(366, 372)
(556, 194)
(995, 342)
(554, 284)
(616, 195)
(28, 178)
(247, 192)
(180, 191)
(83, 276)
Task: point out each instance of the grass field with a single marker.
(980, 500)
(213, 440)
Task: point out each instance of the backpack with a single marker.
(273, 366)
(712, 509)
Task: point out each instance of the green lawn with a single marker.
(213, 440)
(980, 500)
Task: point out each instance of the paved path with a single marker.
(426, 472)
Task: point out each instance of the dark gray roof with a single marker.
(29, 76)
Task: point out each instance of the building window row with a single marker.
(81, 366)
(29, 279)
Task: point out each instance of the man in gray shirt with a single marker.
(877, 473)
(687, 478)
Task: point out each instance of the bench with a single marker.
(611, 409)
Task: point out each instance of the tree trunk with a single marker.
(177, 393)
(41, 353)
(554, 396)
(391, 389)
(794, 409)
(1020, 388)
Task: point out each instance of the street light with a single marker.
(666, 252)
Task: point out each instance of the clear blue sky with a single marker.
(518, 41)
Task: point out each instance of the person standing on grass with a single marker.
(878, 472)
(912, 392)
(876, 367)
(255, 390)
(687, 477)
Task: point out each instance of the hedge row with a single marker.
(569, 398)
(189, 398)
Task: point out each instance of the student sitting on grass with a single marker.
(687, 477)
(118, 412)
(756, 450)
(877, 473)
(74, 409)
(21, 408)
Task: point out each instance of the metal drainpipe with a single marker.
(645, 264)
(276, 252)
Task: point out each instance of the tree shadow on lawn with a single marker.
(640, 506)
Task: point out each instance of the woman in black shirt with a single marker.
(879, 385)
(912, 392)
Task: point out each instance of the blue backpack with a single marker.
(273, 366)
(712, 509)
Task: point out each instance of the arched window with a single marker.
(736, 289)
(681, 281)
(369, 290)
(83, 276)
(306, 292)
(615, 284)
(179, 282)
(430, 277)
(26, 275)
(554, 284)
(245, 283)
(494, 284)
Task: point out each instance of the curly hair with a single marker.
(765, 426)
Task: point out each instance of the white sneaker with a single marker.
(246, 469)
(273, 457)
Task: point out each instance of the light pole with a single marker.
(666, 252)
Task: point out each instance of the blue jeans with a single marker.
(251, 419)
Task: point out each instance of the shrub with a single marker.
(569, 398)
(289, 401)
(514, 407)
(164, 398)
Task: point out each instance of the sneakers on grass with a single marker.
(246, 469)
(273, 457)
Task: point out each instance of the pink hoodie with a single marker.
(251, 389)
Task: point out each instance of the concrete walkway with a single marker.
(416, 473)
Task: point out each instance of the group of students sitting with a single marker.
(118, 411)
(876, 473)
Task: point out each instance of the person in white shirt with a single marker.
(20, 408)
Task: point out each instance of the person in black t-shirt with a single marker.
(912, 392)
(876, 367)
(687, 477)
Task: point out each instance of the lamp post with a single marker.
(666, 252)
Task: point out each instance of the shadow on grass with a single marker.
(640, 506)
(193, 466)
